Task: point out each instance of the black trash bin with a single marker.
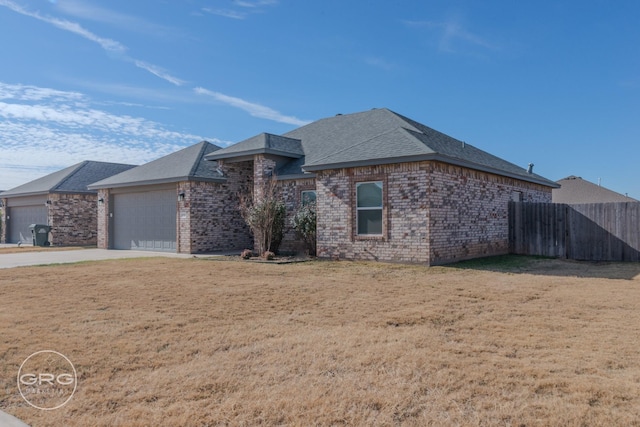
(40, 234)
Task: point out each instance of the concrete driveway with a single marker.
(76, 255)
(7, 420)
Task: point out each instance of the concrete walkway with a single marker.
(77, 255)
(7, 420)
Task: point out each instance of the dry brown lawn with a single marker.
(195, 342)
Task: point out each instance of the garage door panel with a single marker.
(145, 221)
(21, 217)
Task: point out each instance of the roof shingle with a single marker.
(183, 165)
(73, 179)
(574, 191)
(378, 136)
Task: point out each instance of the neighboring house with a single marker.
(177, 203)
(61, 200)
(576, 191)
(388, 188)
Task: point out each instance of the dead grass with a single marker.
(204, 343)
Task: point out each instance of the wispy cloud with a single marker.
(254, 109)
(226, 13)
(113, 46)
(243, 8)
(381, 63)
(87, 10)
(452, 36)
(70, 130)
(20, 92)
(255, 4)
(159, 72)
(106, 43)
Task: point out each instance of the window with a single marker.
(369, 208)
(516, 196)
(307, 197)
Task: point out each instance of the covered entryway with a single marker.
(22, 212)
(145, 220)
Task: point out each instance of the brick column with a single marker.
(104, 211)
(183, 217)
(3, 224)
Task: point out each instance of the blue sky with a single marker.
(554, 83)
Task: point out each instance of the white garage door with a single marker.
(145, 220)
(21, 217)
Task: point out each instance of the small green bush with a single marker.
(304, 223)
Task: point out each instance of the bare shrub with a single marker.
(264, 213)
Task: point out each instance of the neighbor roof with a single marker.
(74, 179)
(378, 136)
(187, 164)
(574, 191)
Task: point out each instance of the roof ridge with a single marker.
(194, 166)
(75, 170)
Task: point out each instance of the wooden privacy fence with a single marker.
(593, 232)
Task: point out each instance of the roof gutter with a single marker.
(156, 181)
(433, 157)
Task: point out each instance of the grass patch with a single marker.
(505, 263)
(166, 342)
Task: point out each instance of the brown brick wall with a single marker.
(468, 215)
(291, 191)
(433, 213)
(404, 237)
(73, 218)
(208, 217)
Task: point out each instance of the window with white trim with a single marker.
(369, 208)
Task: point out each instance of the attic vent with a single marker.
(530, 170)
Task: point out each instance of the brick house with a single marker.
(61, 200)
(177, 203)
(388, 188)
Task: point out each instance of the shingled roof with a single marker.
(188, 164)
(74, 179)
(378, 136)
(574, 191)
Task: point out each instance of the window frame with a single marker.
(380, 208)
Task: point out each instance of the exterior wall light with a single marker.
(181, 196)
(101, 201)
(48, 202)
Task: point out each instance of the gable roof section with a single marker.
(381, 136)
(188, 164)
(574, 191)
(74, 179)
(264, 143)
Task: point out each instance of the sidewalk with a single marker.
(7, 420)
(77, 255)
